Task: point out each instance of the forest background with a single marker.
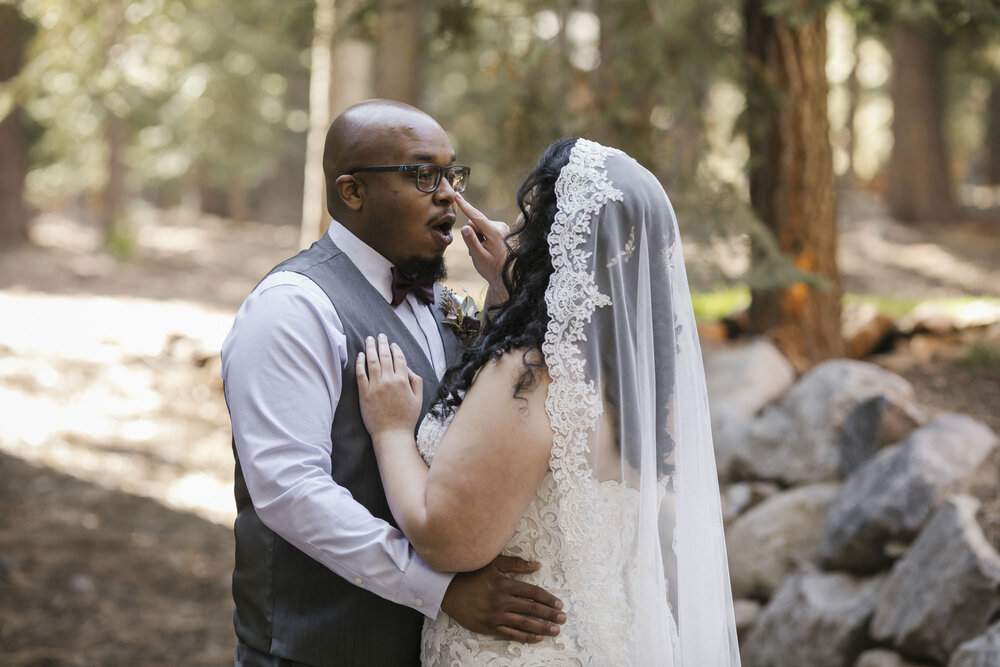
(158, 156)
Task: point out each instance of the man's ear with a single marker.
(350, 190)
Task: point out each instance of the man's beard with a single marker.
(423, 272)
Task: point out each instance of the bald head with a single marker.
(366, 134)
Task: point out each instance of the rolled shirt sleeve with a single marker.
(281, 366)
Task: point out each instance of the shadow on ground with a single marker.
(93, 577)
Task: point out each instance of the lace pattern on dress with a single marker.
(574, 407)
(536, 538)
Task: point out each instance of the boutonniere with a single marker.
(461, 316)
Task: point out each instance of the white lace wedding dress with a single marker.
(640, 556)
(538, 537)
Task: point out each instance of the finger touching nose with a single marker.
(445, 191)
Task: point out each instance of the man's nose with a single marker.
(445, 193)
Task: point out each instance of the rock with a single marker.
(932, 317)
(944, 591)
(798, 439)
(736, 499)
(860, 434)
(816, 619)
(880, 657)
(739, 497)
(746, 612)
(82, 583)
(890, 497)
(771, 540)
(983, 651)
(741, 381)
(870, 424)
(864, 328)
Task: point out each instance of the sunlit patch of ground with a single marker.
(121, 392)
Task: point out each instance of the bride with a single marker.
(574, 432)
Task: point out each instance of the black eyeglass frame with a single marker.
(414, 168)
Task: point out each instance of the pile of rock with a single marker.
(850, 542)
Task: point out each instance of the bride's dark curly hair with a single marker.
(519, 322)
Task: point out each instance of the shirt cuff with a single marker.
(422, 588)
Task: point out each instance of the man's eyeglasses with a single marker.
(428, 176)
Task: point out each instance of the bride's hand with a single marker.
(391, 394)
(485, 240)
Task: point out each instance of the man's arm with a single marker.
(282, 369)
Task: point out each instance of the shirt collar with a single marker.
(373, 266)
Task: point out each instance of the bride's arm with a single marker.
(460, 513)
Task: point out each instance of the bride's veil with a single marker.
(632, 453)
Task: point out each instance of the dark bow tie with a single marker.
(401, 285)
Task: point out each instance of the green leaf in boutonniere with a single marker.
(462, 316)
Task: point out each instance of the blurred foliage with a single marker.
(710, 306)
(214, 92)
(201, 84)
(970, 31)
(720, 303)
(660, 80)
(959, 19)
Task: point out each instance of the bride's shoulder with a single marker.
(524, 368)
(516, 375)
(511, 399)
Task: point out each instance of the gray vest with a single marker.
(287, 604)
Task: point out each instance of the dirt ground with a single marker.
(115, 462)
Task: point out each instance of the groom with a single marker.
(322, 575)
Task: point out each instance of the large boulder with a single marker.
(983, 651)
(739, 497)
(746, 613)
(816, 619)
(891, 496)
(771, 540)
(944, 591)
(741, 381)
(798, 439)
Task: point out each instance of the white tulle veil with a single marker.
(632, 453)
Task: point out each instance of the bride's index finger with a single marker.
(470, 211)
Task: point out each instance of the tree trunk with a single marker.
(993, 134)
(397, 66)
(791, 180)
(853, 96)
(191, 205)
(625, 106)
(14, 160)
(352, 62)
(319, 118)
(919, 179)
(113, 199)
(237, 199)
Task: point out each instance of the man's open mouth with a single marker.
(443, 226)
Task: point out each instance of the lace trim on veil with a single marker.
(574, 405)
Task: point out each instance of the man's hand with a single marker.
(485, 240)
(490, 603)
